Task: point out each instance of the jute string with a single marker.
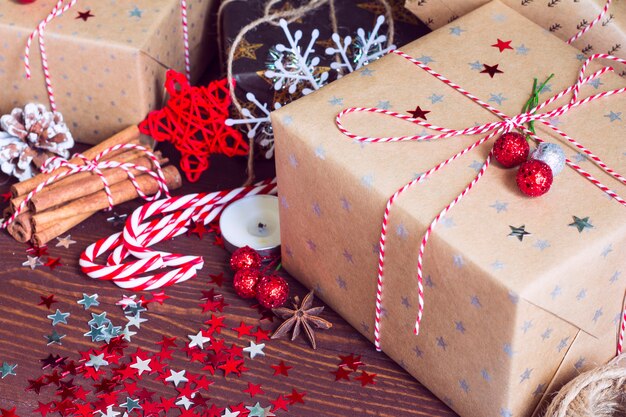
(272, 17)
(600, 392)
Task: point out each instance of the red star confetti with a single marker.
(37, 251)
(85, 15)
(418, 113)
(242, 330)
(217, 279)
(43, 409)
(261, 334)
(158, 297)
(219, 241)
(194, 121)
(351, 361)
(502, 45)
(279, 404)
(6, 196)
(492, 70)
(366, 378)
(341, 373)
(198, 229)
(281, 369)
(8, 413)
(296, 397)
(53, 262)
(47, 301)
(253, 389)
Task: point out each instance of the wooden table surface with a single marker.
(24, 325)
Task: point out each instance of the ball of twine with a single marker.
(600, 392)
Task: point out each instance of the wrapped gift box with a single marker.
(508, 318)
(253, 55)
(107, 69)
(562, 18)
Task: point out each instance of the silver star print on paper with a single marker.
(255, 350)
(519, 232)
(581, 224)
(65, 241)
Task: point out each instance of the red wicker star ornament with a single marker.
(193, 120)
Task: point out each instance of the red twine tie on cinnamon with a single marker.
(96, 166)
(493, 129)
(194, 121)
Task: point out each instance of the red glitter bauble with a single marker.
(534, 178)
(245, 282)
(511, 149)
(245, 257)
(272, 291)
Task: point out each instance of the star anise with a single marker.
(301, 317)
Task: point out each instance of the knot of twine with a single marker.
(63, 6)
(96, 165)
(272, 17)
(600, 392)
(493, 129)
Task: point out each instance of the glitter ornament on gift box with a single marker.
(511, 149)
(534, 178)
(552, 155)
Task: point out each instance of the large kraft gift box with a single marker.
(509, 317)
(107, 71)
(562, 18)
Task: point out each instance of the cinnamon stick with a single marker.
(89, 184)
(21, 229)
(127, 156)
(125, 136)
(57, 228)
(122, 192)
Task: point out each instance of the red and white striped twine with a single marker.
(493, 129)
(592, 24)
(154, 269)
(96, 166)
(60, 8)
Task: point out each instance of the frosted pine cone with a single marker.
(29, 137)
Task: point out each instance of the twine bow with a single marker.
(506, 124)
(96, 166)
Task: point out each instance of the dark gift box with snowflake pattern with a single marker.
(258, 58)
(520, 294)
(107, 59)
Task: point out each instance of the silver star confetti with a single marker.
(198, 340)
(255, 350)
(58, 317)
(33, 262)
(65, 241)
(7, 369)
(89, 300)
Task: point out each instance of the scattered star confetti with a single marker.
(7, 369)
(54, 337)
(47, 301)
(492, 70)
(281, 369)
(198, 340)
(117, 219)
(258, 411)
(65, 241)
(58, 317)
(519, 232)
(53, 262)
(135, 320)
(581, 223)
(32, 262)
(96, 361)
(176, 377)
(88, 301)
(255, 350)
(142, 365)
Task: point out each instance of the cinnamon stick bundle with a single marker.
(128, 135)
(69, 201)
(122, 192)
